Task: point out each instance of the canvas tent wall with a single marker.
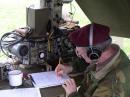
(114, 13)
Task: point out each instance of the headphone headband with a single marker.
(91, 35)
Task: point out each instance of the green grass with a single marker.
(126, 45)
(77, 12)
(13, 14)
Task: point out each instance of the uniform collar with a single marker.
(110, 64)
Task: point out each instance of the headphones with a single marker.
(93, 52)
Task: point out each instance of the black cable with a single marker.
(9, 44)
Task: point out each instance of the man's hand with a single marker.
(69, 86)
(63, 69)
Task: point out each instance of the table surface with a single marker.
(45, 92)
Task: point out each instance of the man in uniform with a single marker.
(106, 68)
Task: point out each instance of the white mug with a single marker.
(15, 77)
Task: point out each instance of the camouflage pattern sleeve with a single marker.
(103, 92)
(113, 88)
(75, 94)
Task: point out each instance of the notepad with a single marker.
(24, 92)
(48, 79)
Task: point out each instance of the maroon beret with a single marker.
(80, 37)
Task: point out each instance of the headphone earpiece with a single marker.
(94, 53)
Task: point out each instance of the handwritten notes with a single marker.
(47, 79)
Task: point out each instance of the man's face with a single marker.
(81, 52)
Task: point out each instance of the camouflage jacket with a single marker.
(112, 81)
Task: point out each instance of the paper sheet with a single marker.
(48, 79)
(24, 92)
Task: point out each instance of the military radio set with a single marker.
(42, 40)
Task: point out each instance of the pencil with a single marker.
(59, 60)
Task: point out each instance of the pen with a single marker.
(32, 79)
